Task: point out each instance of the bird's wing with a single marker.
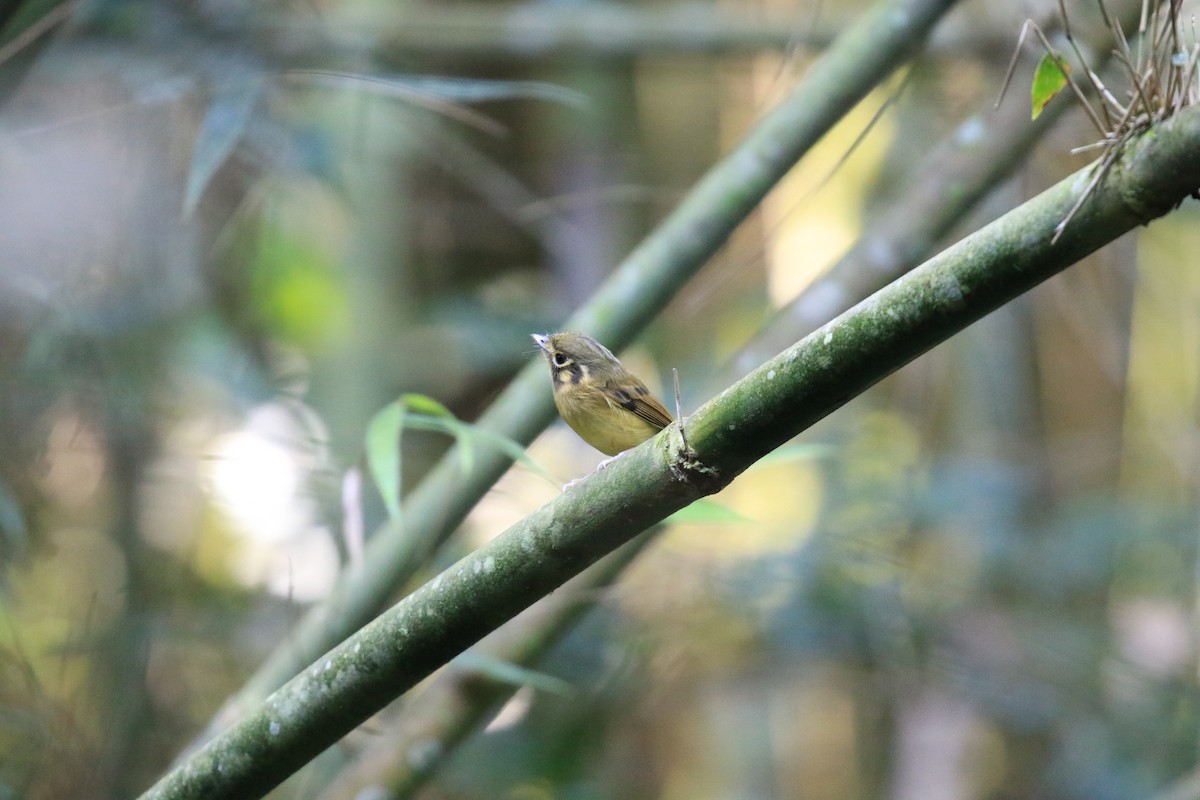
(636, 399)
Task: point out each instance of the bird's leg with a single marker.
(609, 460)
(599, 467)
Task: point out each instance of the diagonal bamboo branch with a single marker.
(865, 54)
(448, 709)
(979, 155)
(944, 189)
(778, 400)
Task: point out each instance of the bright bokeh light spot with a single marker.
(814, 215)
(258, 481)
(254, 480)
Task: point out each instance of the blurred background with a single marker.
(234, 232)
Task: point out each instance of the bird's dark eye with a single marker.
(560, 359)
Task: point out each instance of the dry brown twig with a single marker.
(1161, 71)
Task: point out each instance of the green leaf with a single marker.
(433, 416)
(421, 412)
(796, 452)
(1048, 80)
(513, 674)
(430, 415)
(424, 404)
(707, 512)
(383, 453)
(512, 449)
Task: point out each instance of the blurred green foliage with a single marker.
(218, 266)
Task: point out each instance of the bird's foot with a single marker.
(599, 467)
(609, 460)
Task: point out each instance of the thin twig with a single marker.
(1012, 62)
(45, 23)
(679, 410)
(1066, 71)
(1095, 80)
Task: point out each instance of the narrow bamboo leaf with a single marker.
(469, 436)
(223, 126)
(512, 449)
(468, 90)
(797, 452)
(1048, 80)
(421, 412)
(435, 416)
(383, 453)
(512, 674)
(458, 90)
(707, 512)
(424, 404)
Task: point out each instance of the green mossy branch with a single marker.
(955, 288)
(865, 54)
(937, 195)
(759, 413)
(445, 711)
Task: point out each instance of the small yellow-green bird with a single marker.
(602, 401)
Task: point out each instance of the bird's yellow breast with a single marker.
(600, 422)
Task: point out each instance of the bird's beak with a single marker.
(541, 341)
